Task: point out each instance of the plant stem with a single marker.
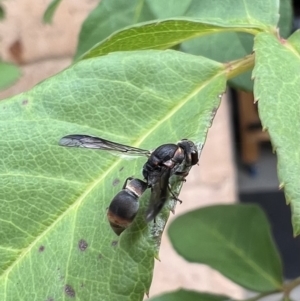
(235, 68)
(287, 288)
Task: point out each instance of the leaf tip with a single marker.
(281, 186)
(296, 232)
(156, 256)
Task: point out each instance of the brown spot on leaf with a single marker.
(116, 182)
(50, 299)
(114, 243)
(25, 102)
(121, 168)
(100, 256)
(82, 245)
(69, 290)
(41, 248)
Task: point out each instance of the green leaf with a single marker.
(276, 86)
(9, 73)
(112, 15)
(49, 13)
(286, 18)
(233, 239)
(2, 12)
(54, 235)
(161, 34)
(108, 17)
(236, 45)
(294, 40)
(181, 295)
(263, 14)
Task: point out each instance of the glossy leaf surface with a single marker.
(162, 34)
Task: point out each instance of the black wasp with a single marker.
(162, 163)
(125, 205)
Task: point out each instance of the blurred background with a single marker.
(237, 163)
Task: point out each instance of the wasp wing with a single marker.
(159, 194)
(102, 144)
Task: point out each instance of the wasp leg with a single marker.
(173, 195)
(182, 174)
